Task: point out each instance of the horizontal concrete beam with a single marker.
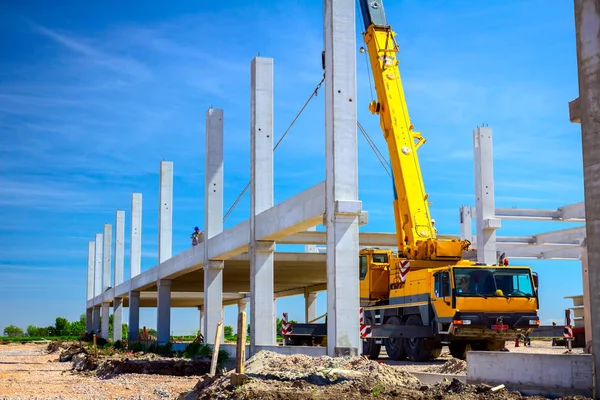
(376, 239)
(574, 111)
(298, 291)
(569, 213)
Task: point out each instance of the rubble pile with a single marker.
(269, 375)
(453, 366)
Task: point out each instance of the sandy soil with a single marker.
(26, 371)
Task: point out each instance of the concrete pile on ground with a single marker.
(269, 375)
(453, 367)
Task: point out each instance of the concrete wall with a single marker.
(533, 374)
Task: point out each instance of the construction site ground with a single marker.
(30, 371)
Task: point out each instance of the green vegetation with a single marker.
(62, 329)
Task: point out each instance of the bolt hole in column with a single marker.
(339, 91)
(350, 100)
(259, 129)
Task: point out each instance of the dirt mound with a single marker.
(83, 362)
(453, 366)
(71, 350)
(273, 376)
(52, 347)
(174, 367)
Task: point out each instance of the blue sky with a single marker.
(94, 94)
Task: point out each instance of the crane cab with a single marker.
(374, 272)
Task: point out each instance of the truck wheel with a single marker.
(371, 349)
(418, 349)
(394, 347)
(459, 349)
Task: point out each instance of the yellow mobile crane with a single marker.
(426, 295)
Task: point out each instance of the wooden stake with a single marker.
(213, 364)
(95, 348)
(240, 358)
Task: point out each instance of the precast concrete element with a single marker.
(311, 248)
(90, 270)
(119, 246)
(587, 28)
(487, 223)
(98, 265)
(262, 330)
(135, 261)
(165, 216)
(201, 312)
(89, 319)
(163, 311)
(585, 275)
(117, 319)
(533, 374)
(213, 223)
(466, 223)
(134, 316)
(105, 318)
(96, 319)
(106, 263)
(310, 305)
(342, 208)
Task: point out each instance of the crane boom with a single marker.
(414, 230)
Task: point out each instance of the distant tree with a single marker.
(124, 331)
(13, 331)
(228, 330)
(32, 331)
(61, 326)
(77, 328)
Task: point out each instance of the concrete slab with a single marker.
(551, 375)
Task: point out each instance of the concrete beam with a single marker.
(262, 313)
(487, 223)
(587, 28)
(213, 223)
(136, 235)
(98, 244)
(574, 111)
(165, 216)
(106, 263)
(569, 213)
(90, 270)
(342, 206)
(119, 246)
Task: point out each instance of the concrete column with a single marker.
(213, 222)
(118, 319)
(466, 224)
(119, 246)
(587, 27)
(98, 265)
(310, 306)
(134, 316)
(105, 317)
(342, 206)
(201, 311)
(135, 262)
(96, 319)
(587, 317)
(242, 305)
(165, 216)
(163, 311)
(90, 270)
(262, 331)
(487, 223)
(106, 264)
(89, 319)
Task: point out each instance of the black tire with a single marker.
(418, 349)
(459, 349)
(371, 349)
(394, 347)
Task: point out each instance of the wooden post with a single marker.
(213, 364)
(240, 358)
(95, 348)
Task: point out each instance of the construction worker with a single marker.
(195, 236)
(433, 226)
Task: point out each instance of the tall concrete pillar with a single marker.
(90, 270)
(118, 319)
(105, 318)
(342, 207)
(163, 311)
(487, 223)
(201, 312)
(262, 331)
(213, 222)
(466, 222)
(134, 316)
(587, 27)
(119, 246)
(96, 319)
(89, 319)
(106, 263)
(135, 261)
(98, 244)
(165, 216)
(587, 317)
(310, 306)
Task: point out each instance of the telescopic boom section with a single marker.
(414, 230)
